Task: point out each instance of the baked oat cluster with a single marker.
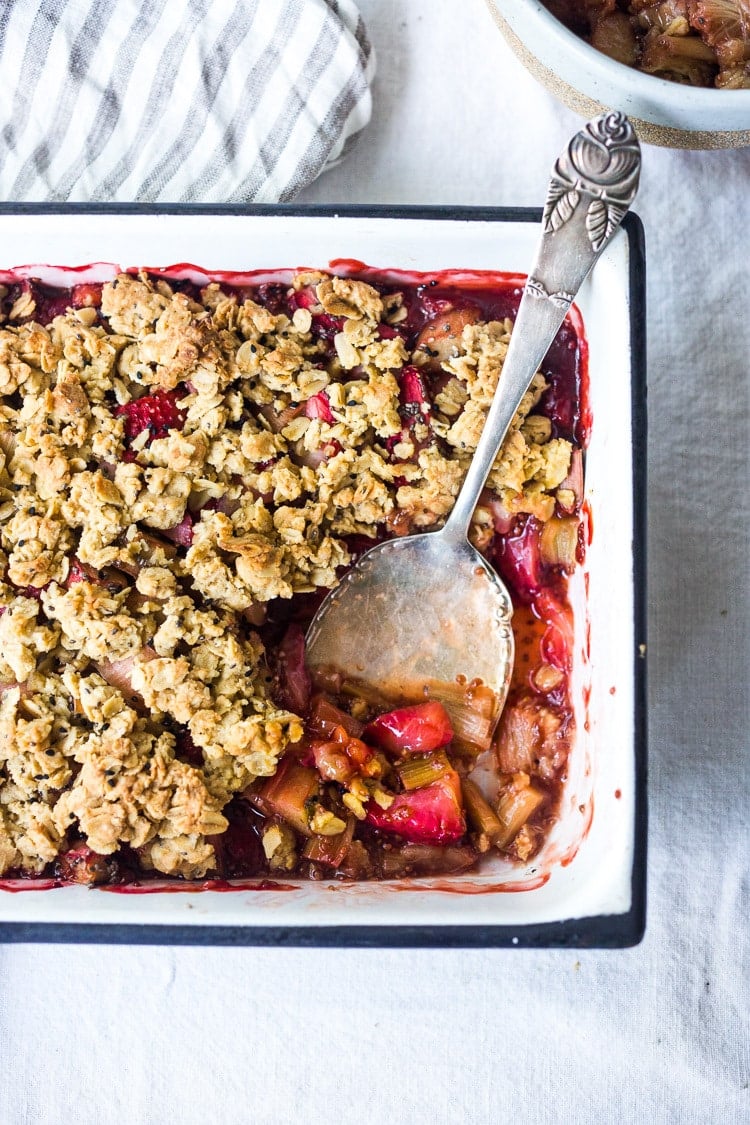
(170, 467)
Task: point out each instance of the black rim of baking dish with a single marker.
(611, 931)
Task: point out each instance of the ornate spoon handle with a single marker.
(592, 186)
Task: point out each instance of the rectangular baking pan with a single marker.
(596, 896)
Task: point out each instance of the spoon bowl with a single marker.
(429, 619)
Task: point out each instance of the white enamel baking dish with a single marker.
(588, 885)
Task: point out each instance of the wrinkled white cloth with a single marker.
(656, 1035)
(191, 100)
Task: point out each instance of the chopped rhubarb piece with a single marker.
(423, 726)
(288, 792)
(158, 413)
(432, 815)
(502, 520)
(557, 642)
(473, 710)
(119, 673)
(518, 559)
(109, 578)
(319, 407)
(330, 850)
(326, 718)
(426, 859)
(416, 771)
(559, 542)
(182, 532)
(518, 800)
(482, 816)
(294, 678)
(531, 739)
(87, 295)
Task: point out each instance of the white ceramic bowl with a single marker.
(587, 886)
(663, 112)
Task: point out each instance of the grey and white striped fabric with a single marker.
(177, 100)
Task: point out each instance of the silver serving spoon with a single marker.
(426, 615)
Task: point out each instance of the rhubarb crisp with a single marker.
(185, 471)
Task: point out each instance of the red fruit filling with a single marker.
(319, 407)
(518, 559)
(326, 326)
(425, 726)
(158, 413)
(433, 815)
(294, 678)
(182, 532)
(87, 295)
(82, 865)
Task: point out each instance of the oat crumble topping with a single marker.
(168, 468)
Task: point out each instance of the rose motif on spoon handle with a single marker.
(601, 165)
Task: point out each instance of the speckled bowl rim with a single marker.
(649, 86)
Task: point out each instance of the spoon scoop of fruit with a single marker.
(426, 616)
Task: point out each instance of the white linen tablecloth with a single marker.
(656, 1034)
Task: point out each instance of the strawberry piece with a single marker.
(182, 532)
(433, 306)
(424, 726)
(305, 298)
(319, 407)
(87, 295)
(432, 815)
(414, 407)
(83, 865)
(326, 326)
(294, 679)
(79, 572)
(412, 387)
(158, 413)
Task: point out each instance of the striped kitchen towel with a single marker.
(177, 100)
